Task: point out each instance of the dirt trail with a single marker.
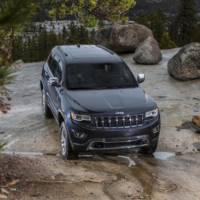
(166, 176)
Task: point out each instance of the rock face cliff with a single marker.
(167, 6)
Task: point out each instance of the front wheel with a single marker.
(64, 142)
(65, 148)
(151, 148)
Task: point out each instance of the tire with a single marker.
(65, 147)
(150, 149)
(46, 110)
(64, 142)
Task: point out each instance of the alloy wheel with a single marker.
(63, 142)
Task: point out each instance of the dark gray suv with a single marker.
(97, 102)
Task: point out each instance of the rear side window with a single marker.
(55, 68)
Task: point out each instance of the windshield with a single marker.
(99, 76)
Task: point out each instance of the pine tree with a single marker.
(65, 35)
(183, 29)
(42, 41)
(143, 18)
(166, 42)
(158, 24)
(91, 12)
(13, 15)
(156, 21)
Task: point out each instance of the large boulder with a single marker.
(185, 65)
(148, 52)
(122, 38)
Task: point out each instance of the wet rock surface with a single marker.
(148, 52)
(19, 169)
(173, 173)
(122, 38)
(185, 64)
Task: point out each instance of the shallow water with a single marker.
(163, 155)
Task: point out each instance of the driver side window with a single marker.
(55, 68)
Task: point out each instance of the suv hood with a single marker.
(126, 100)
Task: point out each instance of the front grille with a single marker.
(118, 121)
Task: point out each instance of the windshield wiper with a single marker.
(114, 87)
(82, 88)
(102, 88)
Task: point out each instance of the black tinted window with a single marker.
(99, 76)
(55, 68)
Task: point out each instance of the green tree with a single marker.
(143, 18)
(183, 28)
(64, 37)
(166, 42)
(2, 145)
(158, 24)
(13, 15)
(78, 35)
(90, 12)
(156, 21)
(197, 34)
(15, 12)
(37, 47)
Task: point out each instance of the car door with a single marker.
(54, 92)
(46, 74)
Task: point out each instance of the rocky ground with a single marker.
(4, 100)
(37, 172)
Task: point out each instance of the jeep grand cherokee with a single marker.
(97, 102)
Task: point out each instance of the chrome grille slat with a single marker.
(109, 121)
(102, 121)
(124, 121)
(117, 121)
(96, 121)
(130, 120)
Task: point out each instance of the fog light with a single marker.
(80, 135)
(156, 129)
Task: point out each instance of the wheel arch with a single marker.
(41, 86)
(60, 118)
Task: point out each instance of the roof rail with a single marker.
(59, 47)
(106, 49)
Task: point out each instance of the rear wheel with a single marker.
(46, 110)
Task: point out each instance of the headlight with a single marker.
(152, 113)
(79, 117)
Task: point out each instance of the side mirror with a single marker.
(140, 78)
(54, 82)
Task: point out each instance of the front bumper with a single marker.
(114, 140)
(118, 144)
